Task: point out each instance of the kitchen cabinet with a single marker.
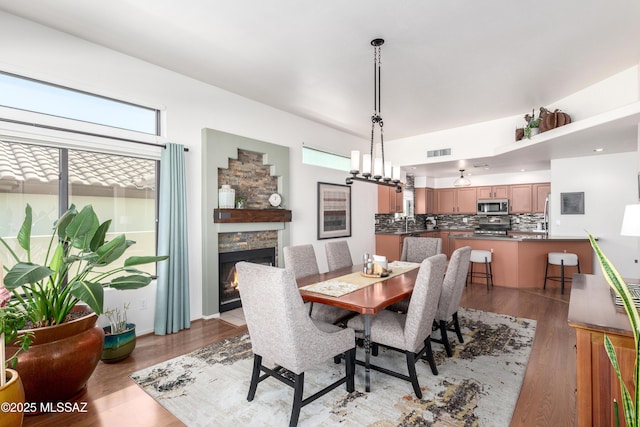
(389, 201)
(455, 200)
(448, 243)
(390, 245)
(496, 192)
(520, 198)
(539, 193)
(423, 200)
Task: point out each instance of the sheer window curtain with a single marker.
(172, 297)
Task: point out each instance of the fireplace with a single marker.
(228, 283)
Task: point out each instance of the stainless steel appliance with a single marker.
(493, 226)
(546, 220)
(493, 207)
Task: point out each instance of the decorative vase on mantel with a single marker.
(226, 197)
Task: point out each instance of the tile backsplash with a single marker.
(388, 223)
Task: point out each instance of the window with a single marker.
(45, 98)
(311, 156)
(119, 188)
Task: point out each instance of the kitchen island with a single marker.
(519, 261)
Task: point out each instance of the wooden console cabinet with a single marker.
(592, 313)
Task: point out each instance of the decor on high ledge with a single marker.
(65, 334)
(374, 167)
(334, 210)
(532, 126)
(551, 120)
(119, 336)
(462, 181)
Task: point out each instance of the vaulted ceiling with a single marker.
(445, 64)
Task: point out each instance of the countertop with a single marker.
(527, 236)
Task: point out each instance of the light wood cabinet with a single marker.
(389, 245)
(540, 192)
(495, 192)
(423, 200)
(520, 199)
(455, 200)
(592, 313)
(389, 201)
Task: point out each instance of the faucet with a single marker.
(406, 223)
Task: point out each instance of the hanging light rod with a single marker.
(462, 181)
(383, 172)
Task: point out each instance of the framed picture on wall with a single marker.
(334, 210)
(572, 203)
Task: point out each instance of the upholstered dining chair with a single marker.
(282, 332)
(338, 255)
(410, 332)
(449, 303)
(417, 249)
(301, 260)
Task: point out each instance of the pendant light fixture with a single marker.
(462, 181)
(374, 167)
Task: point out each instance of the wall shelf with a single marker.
(251, 215)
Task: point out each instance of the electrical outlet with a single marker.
(143, 304)
(491, 250)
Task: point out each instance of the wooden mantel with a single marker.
(251, 215)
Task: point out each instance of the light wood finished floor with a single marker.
(547, 397)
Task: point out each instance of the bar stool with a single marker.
(563, 259)
(481, 257)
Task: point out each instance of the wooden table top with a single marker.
(592, 306)
(368, 300)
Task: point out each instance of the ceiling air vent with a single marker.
(438, 153)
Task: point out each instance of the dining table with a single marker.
(349, 288)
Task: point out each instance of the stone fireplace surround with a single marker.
(220, 152)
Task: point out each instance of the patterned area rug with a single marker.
(479, 385)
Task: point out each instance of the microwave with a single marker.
(493, 207)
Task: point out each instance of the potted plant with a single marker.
(119, 336)
(533, 124)
(12, 320)
(62, 298)
(630, 405)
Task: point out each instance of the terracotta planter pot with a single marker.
(12, 393)
(61, 359)
(118, 346)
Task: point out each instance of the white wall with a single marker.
(606, 193)
(188, 105)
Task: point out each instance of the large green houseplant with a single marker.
(75, 271)
(66, 276)
(616, 282)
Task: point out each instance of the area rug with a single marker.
(479, 385)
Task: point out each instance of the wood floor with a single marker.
(547, 397)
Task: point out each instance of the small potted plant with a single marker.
(533, 125)
(119, 336)
(12, 320)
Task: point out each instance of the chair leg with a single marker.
(255, 377)
(428, 356)
(298, 386)
(456, 325)
(374, 348)
(486, 271)
(546, 273)
(562, 277)
(491, 273)
(350, 368)
(445, 338)
(578, 266)
(411, 366)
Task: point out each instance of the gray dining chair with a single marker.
(302, 261)
(338, 255)
(282, 332)
(417, 249)
(410, 332)
(449, 304)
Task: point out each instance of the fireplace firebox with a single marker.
(228, 281)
